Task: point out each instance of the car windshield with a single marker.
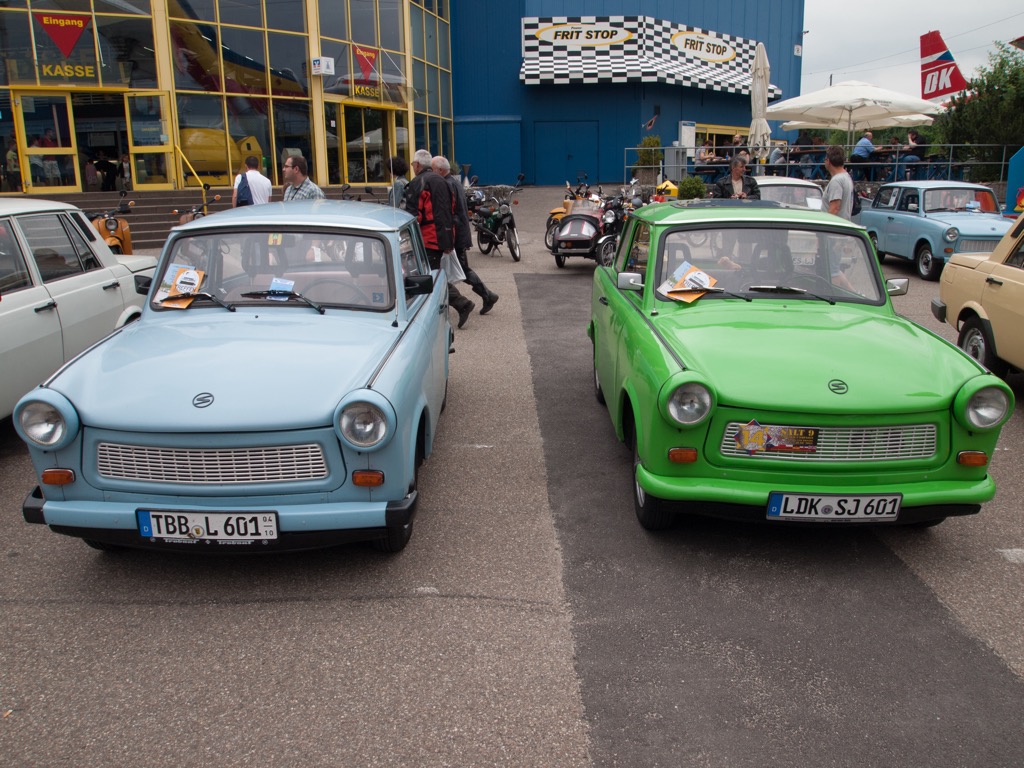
(748, 261)
(792, 194)
(327, 268)
(953, 199)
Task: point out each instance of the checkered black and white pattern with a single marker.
(649, 55)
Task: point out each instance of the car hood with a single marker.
(973, 224)
(136, 263)
(264, 371)
(780, 355)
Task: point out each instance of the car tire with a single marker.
(874, 242)
(928, 267)
(606, 253)
(650, 511)
(512, 236)
(975, 341)
(560, 260)
(396, 537)
(597, 381)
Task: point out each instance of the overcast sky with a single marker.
(879, 41)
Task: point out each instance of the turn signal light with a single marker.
(972, 458)
(58, 476)
(368, 478)
(682, 455)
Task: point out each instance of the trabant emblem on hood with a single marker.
(836, 385)
(202, 400)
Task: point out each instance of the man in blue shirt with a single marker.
(862, 153)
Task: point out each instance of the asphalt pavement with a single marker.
(531, 621)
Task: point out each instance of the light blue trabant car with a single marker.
(279, 392)
(928, 221)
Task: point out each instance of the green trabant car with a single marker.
(751, 355)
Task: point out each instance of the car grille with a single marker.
(267, 464)
(976, 245)
(861, 444)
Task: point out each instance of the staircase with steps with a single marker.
(152, 216)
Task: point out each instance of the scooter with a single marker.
(582, 192)
(113, 228)
(492, 218)
(197, 211)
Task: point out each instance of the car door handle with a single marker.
(49, 305)
(603, 300)
(112, 286)
(993, 280)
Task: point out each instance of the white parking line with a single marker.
(1013, 555)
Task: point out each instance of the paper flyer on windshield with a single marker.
(182, 279)
(685, 283)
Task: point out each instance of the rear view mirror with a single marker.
(912, 207)
(897, 286)
(419, 285)
(142, 284)
(630, 281)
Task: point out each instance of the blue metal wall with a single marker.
(503, 127)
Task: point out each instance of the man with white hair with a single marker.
(429, 199)
(463, 233)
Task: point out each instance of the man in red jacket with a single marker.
(428, 198)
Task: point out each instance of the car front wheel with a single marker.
(650, 512)
(975, 341)
(928, 266)
(874, 242)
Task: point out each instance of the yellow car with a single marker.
(982, 296)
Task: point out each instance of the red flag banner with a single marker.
(366, 57)
(64, 29)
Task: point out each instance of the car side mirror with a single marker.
(419, 285)
(630, 281)
(142, 284)
(897, 286)
(912, 207)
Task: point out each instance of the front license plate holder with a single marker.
(834, 508)
(178, 525)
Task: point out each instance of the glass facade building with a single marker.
(184, 90)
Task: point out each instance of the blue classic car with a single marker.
(929, 221)
(279, 392)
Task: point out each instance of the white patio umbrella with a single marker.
(848, 104)
(900, 121)
(760, 132)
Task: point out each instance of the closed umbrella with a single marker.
(849, 104)
(760, 132)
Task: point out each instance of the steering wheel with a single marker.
(338, 288)
(811, 281)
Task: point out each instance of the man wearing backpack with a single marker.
(251, 187)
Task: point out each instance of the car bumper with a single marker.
(939, 310)
(740, 500)
(302, 526)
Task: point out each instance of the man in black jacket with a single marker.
(463, 233)
(428, 197)
(737, 184)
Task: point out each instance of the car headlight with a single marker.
(689, 404)
(46, 419)
(951, 234)
(363, 424)
(987, 407)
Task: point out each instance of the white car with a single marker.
(784, 189)
(61, 290)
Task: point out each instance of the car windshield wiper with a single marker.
(199, 295)
(711, 289)
(284, 295)
(788, 289)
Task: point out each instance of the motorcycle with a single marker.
(616, 209)
(113, 228)
(197, 211)
(555, 215)
(491, 217)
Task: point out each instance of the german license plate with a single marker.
(217, 526)
(834, 509)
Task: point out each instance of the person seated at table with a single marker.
(736, 147)
(862, 152)
(916, 150)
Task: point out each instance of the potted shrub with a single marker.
(648, 163)
(691, 188)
